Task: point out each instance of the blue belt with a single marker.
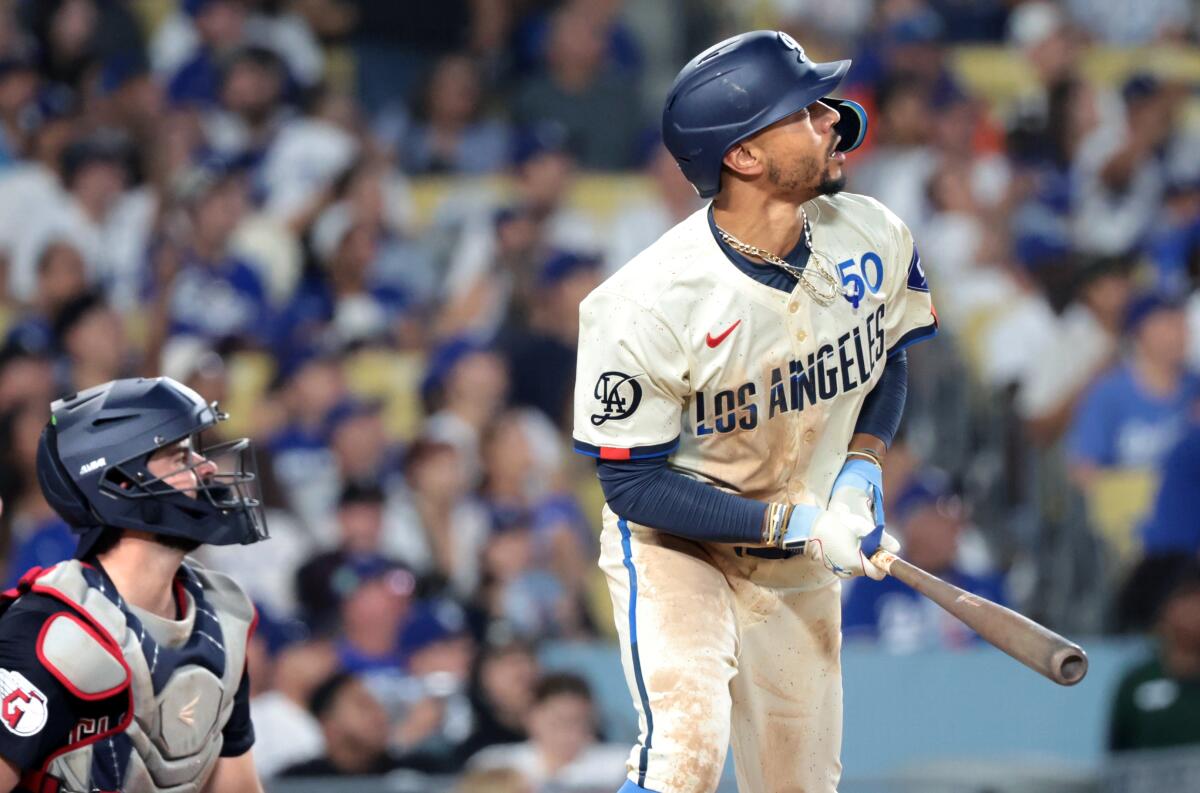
(768, 553)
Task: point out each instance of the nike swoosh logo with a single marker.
(713, 341)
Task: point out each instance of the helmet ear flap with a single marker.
(59, 489)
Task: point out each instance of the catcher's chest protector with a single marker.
(180, 678)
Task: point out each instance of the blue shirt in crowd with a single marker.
(1174, 524)
(219, 301)
(1119, 425)
(893, 614)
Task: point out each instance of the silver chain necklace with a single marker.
(824, 291)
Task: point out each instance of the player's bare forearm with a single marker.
(235, 775)
(863, 440)
(10, 775)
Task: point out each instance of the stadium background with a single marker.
(365, 225)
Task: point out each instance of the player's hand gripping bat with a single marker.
(1039, 648)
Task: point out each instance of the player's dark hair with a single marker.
(560, 683)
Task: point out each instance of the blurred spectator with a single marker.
(354, 728)
(1173, 243)
(309, 154)
(38, 536)
(537, 561)
(541, 358)
(622, 52)
(280, 26)
(464, 389)
(373, 595)
(436, 713)
(213, 293)
(501, 241)
(641, 223)
(31, 188)
(395, 45)
(360, 531)
(930, 518)
(435, 528)
(360, 444)
(1172, 526)
(451, 135)
(286, 733)
(218, 27)
(562, 748)
(1157, 702)
(502, 691)
(90, 336)
(73, 35)
(18, 89)
(1133, 22)
(127, 97)
(1084, 344)
(309, 385)
(359, 307)
(599, 108)
(98, 213)
(1123, 167)
(26, 375)
(61, 278)
(251, 110)
(1130, 417)
(1047, 42)
(901, 160)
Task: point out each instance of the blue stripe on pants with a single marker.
(633, 647)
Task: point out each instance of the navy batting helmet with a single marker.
(92, 466)
(743, 85)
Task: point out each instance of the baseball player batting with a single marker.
(739, 382)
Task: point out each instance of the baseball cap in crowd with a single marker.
(356, 571)
(563, 264)
(444, 358)
(1139, 86)
(430, 622)
(348, 410)
(292, 359)
(927, 488)
(1146, 304)
(533, 141)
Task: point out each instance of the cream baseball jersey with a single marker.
(750, 388)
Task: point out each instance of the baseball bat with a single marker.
(1034, 645)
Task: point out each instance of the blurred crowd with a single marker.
(365, 227)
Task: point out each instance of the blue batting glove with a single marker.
(864, 482)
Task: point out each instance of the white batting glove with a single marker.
(832, 537)
(859, 503)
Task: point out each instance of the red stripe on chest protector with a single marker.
(609, 453)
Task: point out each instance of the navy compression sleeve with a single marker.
(883, 407)
(650, 493)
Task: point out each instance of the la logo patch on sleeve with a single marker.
(23, 706)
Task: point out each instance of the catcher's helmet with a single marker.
(743, 85)
(93, 454)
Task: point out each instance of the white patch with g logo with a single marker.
(23, 706)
